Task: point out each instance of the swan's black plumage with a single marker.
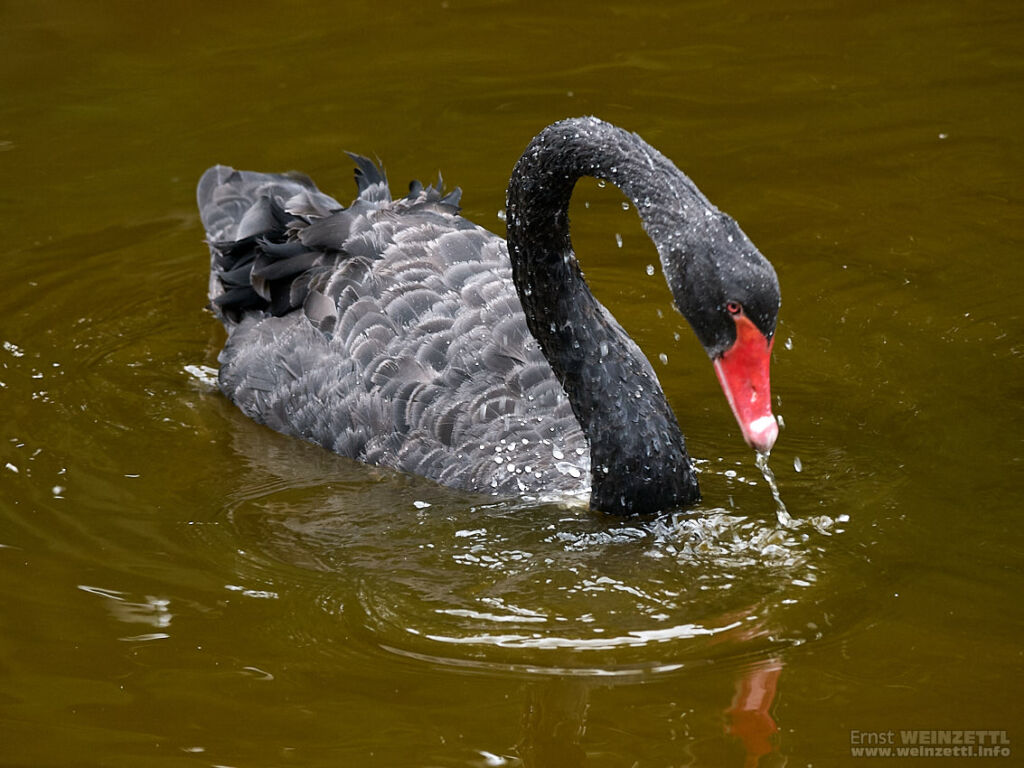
(400, 334)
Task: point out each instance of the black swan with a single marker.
(398, 333)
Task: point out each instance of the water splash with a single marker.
(528, 586)
(203, 375)
(785, 519)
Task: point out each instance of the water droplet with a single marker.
(784, 518)
(789, 343)
(664, 358)
(625, 205)
(650, 269)
(501, 214)
(602, 183)
(618, 239)
(797, 464)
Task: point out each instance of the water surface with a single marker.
(182, 586)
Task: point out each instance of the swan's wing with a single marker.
(232, 207)
(390, 332)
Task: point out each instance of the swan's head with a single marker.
(729, 294)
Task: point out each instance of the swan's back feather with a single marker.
(388, 331)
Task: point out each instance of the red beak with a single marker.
(743, 373)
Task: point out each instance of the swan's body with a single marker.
(392, 331)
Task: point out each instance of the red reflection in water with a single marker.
(749, 716)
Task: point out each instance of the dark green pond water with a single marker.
(179, 586)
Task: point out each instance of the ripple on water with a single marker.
(545, 588)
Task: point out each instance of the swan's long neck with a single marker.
(639, 461)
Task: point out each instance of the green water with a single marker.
(179, 586)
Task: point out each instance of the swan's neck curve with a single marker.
(639, 461)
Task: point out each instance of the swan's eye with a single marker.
(733, 308)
